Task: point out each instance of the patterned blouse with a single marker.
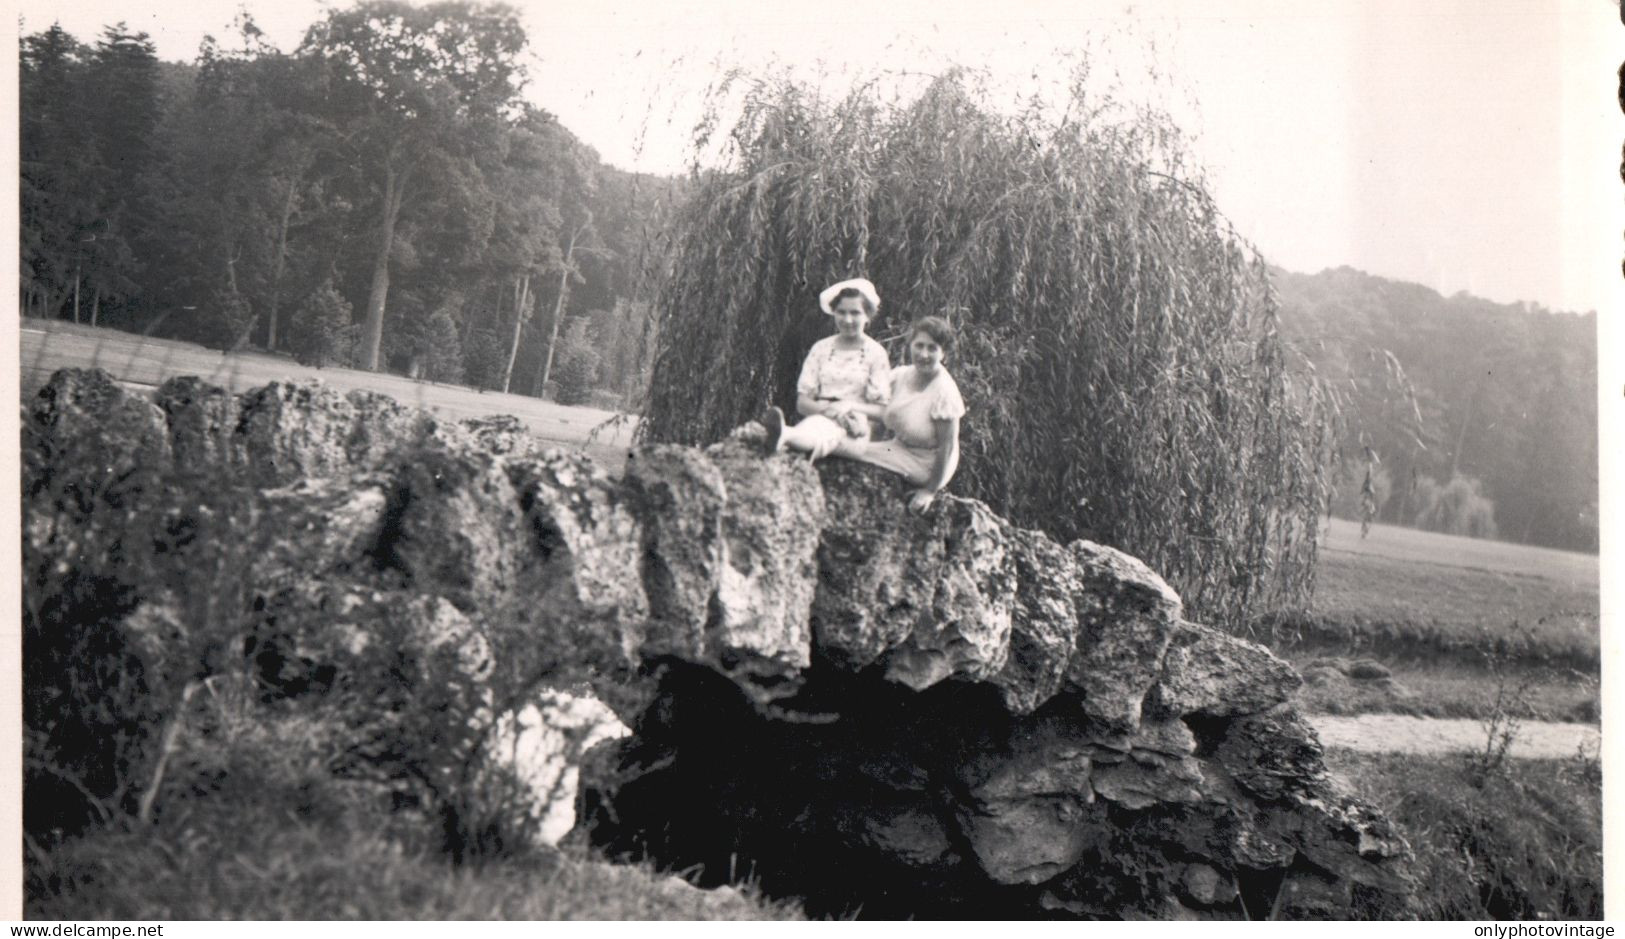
(830, 372)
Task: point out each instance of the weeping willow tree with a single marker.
(1117, 341)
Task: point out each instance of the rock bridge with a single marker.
(898, 715)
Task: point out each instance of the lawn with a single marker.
(1457, 622)
(1402, 589)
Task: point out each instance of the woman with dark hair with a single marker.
(923, 412)
(845, 379)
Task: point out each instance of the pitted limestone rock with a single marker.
(202, 421)
(1217, 675)
(1126, 617)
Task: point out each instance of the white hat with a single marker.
(860, 284)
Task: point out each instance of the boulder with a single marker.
(1204, 886)
(1125, 619)
(1213, 674)
(1043, 618)
(202, 422)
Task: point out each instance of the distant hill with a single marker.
(1505, 418)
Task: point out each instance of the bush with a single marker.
(578, 363)
(441, 353)
(1459, 508)
(321, 333)
(235, 318)
(483, 358)
(1118, 344)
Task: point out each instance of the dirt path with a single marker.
(1396, 733)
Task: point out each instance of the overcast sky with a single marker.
(1466, 145)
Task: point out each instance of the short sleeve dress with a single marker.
(833, 373)
(910, 415)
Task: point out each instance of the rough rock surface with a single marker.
(911, 715)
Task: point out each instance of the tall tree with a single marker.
(415, 84)
(124, 112)
(58, 201)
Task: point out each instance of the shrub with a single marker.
(441, 352)
(1523, 844)
(1119, 347)
(235, 318)
(578, 363)
(321, 333)
(483, 358)
(1459, 508)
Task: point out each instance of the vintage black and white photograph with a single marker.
(714, 460)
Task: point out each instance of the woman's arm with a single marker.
(943, 457)
(809, 406)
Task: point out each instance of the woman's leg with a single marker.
(911, 463)
(817, 435)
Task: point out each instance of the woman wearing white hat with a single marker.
(845, 380)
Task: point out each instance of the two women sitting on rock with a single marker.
(847, 382)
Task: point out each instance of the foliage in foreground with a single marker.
(295, 846)
(1524, 843)
(1119, 345)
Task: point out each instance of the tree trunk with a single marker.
(281, 260)
(373, 332)
(231, 281)
(76, 292)
(1461, 435)
(521, 309)
(157, 321)
(558, 306)
(95, 306)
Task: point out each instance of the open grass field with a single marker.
(1402, 587)
(1458, 622)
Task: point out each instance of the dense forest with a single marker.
(386, 196)
(383, 196)
(1497, 435)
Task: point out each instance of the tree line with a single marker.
(1499, 435)
(382, 196)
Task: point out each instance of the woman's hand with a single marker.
(920, 500)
